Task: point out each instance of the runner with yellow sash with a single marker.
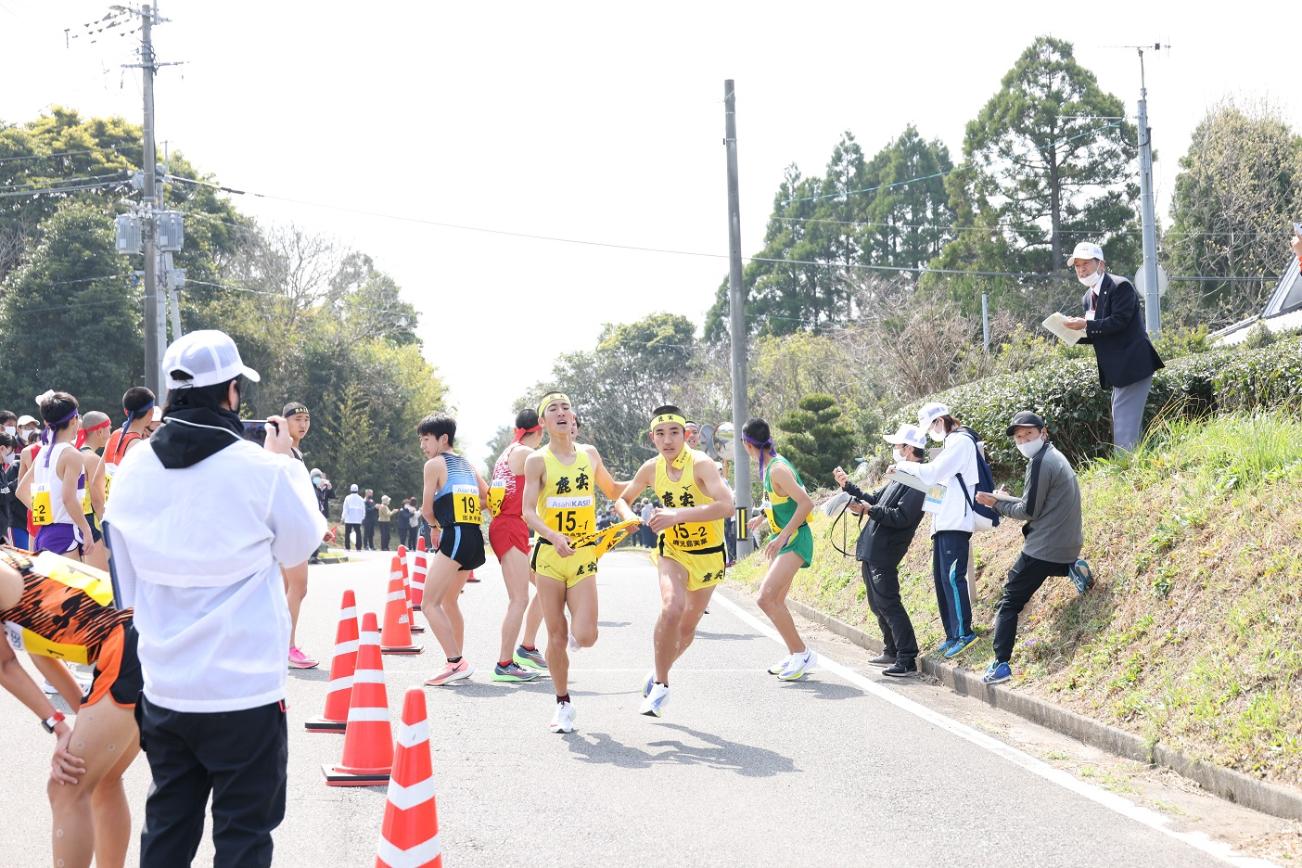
(695, 501)
(560, 484)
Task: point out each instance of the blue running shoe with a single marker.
(1081, 576)
(997, 673)
(943, 647)
(959, 645)
(530, 659)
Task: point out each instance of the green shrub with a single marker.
(1066, 392)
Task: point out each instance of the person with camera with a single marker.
(199, 522)
(894, 513)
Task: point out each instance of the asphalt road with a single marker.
(838, 770)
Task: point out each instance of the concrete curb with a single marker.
(1235, 786)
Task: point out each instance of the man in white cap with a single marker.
(353, 514)
(1114, 325)
(894, 512)
(199, 522)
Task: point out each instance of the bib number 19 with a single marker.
(465, 505)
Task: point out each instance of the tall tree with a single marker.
(70, 320)
(1049, 163)
(1239, 188)
(910, 217)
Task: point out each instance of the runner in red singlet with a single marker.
(509, 537)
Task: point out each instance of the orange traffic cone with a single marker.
(409, 837)
(396, 638)
(368, 740)
(335, 716)
(419, 570)
(471, 577)
(404, 558)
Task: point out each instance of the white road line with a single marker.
(1198, 840)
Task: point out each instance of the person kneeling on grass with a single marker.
(1051, 507)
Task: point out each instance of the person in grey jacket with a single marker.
(894, 513)
(1051, 507)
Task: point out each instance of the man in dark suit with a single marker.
(1114, 325)
(894, 512)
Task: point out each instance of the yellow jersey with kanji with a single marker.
(690, 536)
(566, 500)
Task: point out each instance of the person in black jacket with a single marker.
(1114, 326)
(894, 513)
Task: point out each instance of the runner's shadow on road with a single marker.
(724, 637)
(614, 623)
(824, 689)
(718, 753)
(317, 674)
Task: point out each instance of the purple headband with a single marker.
(761, 445)
(133, 415)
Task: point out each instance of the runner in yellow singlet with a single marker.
(559, 504)
(692, 557)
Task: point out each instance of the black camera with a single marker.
(255, 430)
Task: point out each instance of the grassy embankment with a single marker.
(1192, 635)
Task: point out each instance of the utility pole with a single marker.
(155, 326)
(737, 326)
(1152, 301)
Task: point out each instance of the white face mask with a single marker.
(1031, 448)
(11, 430)
(1092, 280)
(937, 434)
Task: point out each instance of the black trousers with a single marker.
(385, 530)
(1024, 579)
(353, 530)
(239, 757)
(368, 532)
(883, 585)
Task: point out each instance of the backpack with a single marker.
(986, 517)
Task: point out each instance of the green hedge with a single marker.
(1079, 412)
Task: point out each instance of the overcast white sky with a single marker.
(591, 121)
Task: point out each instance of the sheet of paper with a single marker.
(934, 493)
(1055, 323)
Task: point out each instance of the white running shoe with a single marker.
(563, 719)
(654, 704)
(798, 665)
(777, 668)
(649, 683)
(574, 644)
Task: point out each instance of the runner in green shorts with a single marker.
(791, 548)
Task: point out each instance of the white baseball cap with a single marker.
(1085, 250)
(25, 420)
(207, 358)
(909, 435)
(930, 413)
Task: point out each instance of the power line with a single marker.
(21, 188)
(23, 157)
(47, 191)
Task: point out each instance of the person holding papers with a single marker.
(894, 512)
(1051, 507)
(1114, 325)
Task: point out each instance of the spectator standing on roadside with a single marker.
(354, 512)
(8, 482)
(648, 512)
(369, 519)
(199, 519)
(325, 492)
(385, 518)
(894, 513)
(952, 522)
(1114, 326)
(1051, 507)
